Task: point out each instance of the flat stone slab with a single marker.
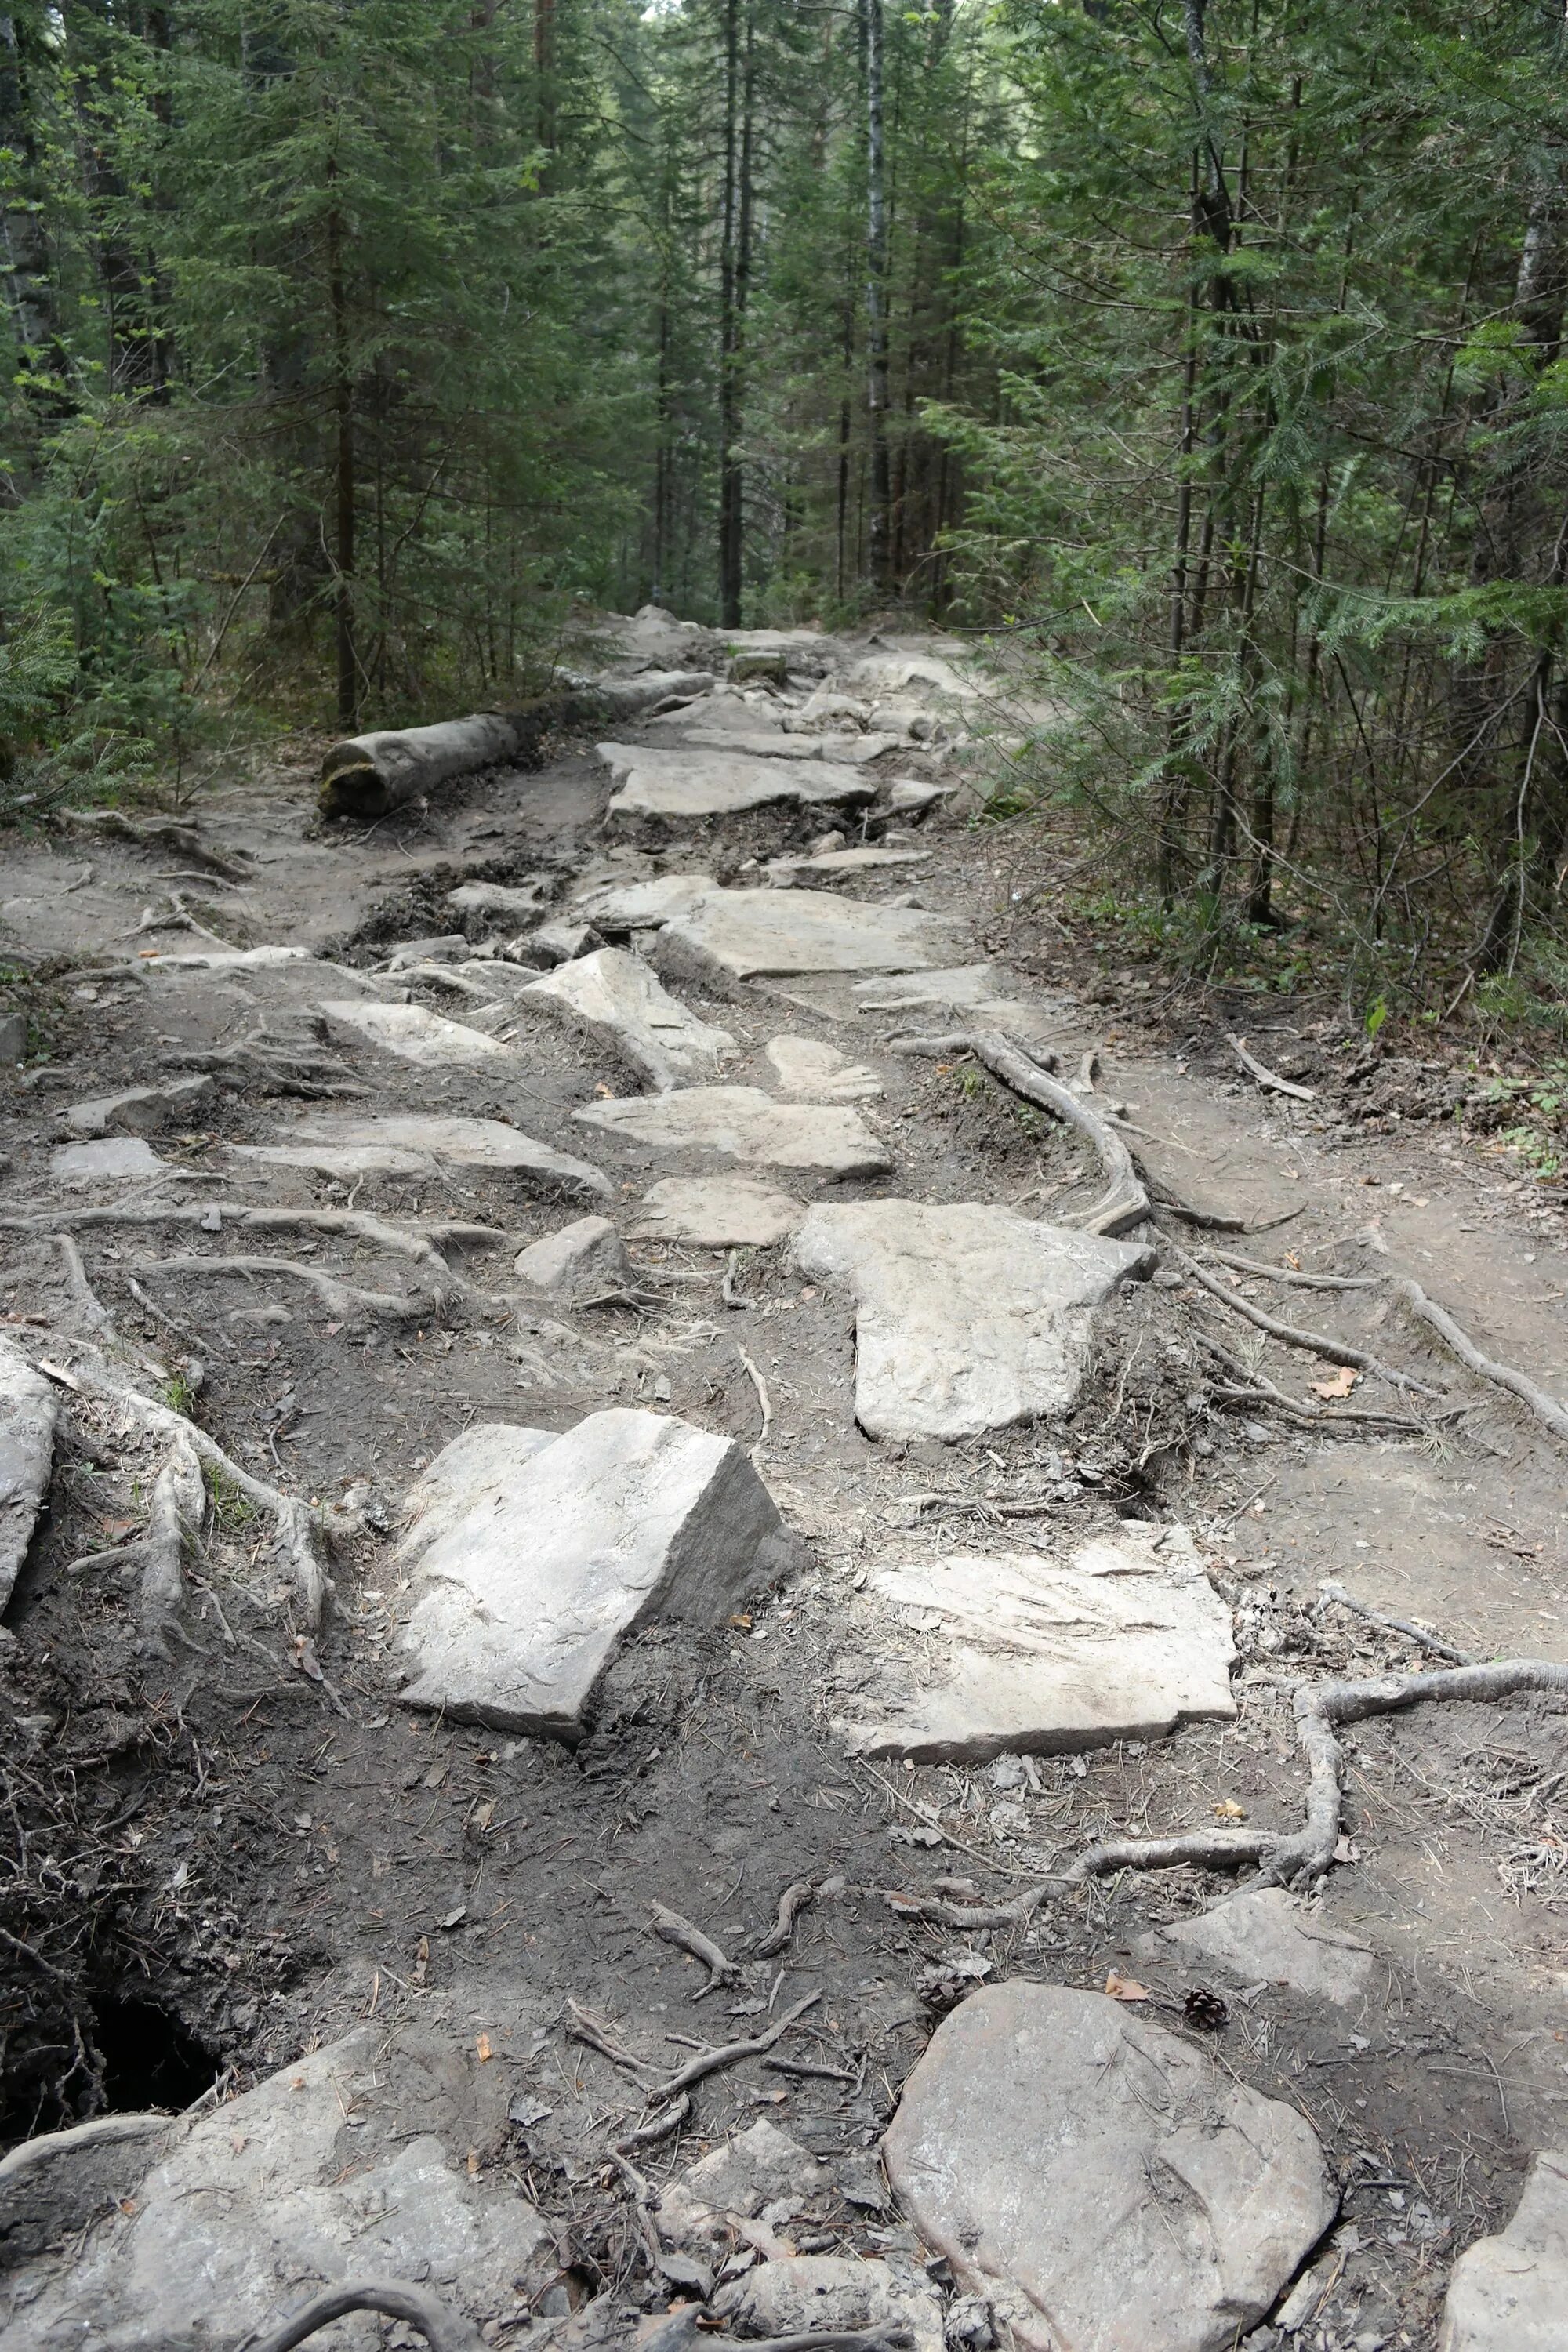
(615, 1001)
(1510, 2293)
(453, 1142)
(744, 1124)
(717, 1212)
(838, 751)
(116, 1160)
(416, 1036)
(29, 1410)
(1123, 1640)
(1102, 2180)
(618, 908)
(813, 1071)
(834, 864)
(345, 1163)
(1264, 1933)
(746, 934)
(680, 785)
(353, 2161)
(521, 1600)
(967, 1316)
(143, 1110)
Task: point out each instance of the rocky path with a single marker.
(725, 1614)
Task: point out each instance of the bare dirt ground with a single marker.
(227, 1856)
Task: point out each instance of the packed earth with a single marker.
(742, 1601)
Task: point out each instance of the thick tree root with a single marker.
(1125, 1202)
(273, 1065)
(423, 1243)
(1256, 1388)
(1315, 1343)
(791, 1903)
(444, 2330)
(1289, 1274)
(159, 832)
(721, 1970)
(1546, 1408)
(344, 1300)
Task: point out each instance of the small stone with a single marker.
(447, 947)
(582, 1260)
(523, 1599)
(717, 1212)
(13, 1037)
(618, 908)
(760, 2169)
(814, 2293)
(747, 1125)
(906, 795)
(416, 1036)
(1510, 2293)
(844, 864)
(1263, 1932)
(768, 664)
(827, 843)
(817, 1073)
(1093, 2177)
(116, 1157)
(143, 1110)
(29, 1410)
(613, 999)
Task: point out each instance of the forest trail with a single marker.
(909, 1524)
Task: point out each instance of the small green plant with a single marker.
(178, 1394)
(1376, 1015)
(233, 1510)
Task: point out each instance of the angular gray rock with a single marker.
(550, 944)
(760, 2170)
(413, 1034)
(1122, 1640)
(62, 2180)
(1262, 1932)
(1102, 2180)
(808, 2293)
(13, 1037)
(582, 1260)
(29, 1410)
(351, 2161)
(618, 908)
(143, 1110)
(112, 1160)
(434, 1140)
(747, 1125)
(734, 935)
(677, 786)
(815, 1072)
(844, 864)
(615, 1001)
(1510, 2293)
(717, 1212)
(521, 1600)
(967, 1316)
(518, 902)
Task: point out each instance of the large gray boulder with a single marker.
(351, 2162)
(967, 1316)
(1123, 1640)
(533, 1556)
(29, 1409)
(1510, 2293)
(1103, 2181)
(744, 1124)
(734, 935)
(615, 1001)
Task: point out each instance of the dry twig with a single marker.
(674, 1929)
(708, 2062)
(1266, 1077)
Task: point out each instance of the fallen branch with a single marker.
(445, 2329)
(345, 1301)
(1546, 1408)
(763, 1399)
(1266, 1076)
(791, 1903)
(1316, 1343)
(1420, 1635)
(708, 2062)
(674, 1929)
(1125, 1202)
(658, 2128)
(981, 1505)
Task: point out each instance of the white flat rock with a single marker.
(1510, 2293)
(621, 907)
(224, 959)
(454, 1142)
(615, 1001)
(413, 1034)
(1100, 2179)
(29, 1409)
(521, 1600)
(815, 1072)
(840, 751)
(836, 865)
(744, 934)
(1263, 1933)
(115, 1160)
(143, 1110)
(353, 2160)
(1123, 1640)
(582, 1259)
(686, 785)
(744, 1124)
(343, 1162)
(717, 1212)
(967, 1316)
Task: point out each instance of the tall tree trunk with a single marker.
(342, 472)
(732, 262)
(23, 246)
(879, 519)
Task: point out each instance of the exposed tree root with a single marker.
(792, 1902)
(708, 2062)
(159, 832)
(423, 1243)
(344, 1300)
(1546, 1408)
(1256, 1388)
(445, 2329)
(721, 1970)
(1316, 1343)
(1125, 1202)
(272, 1065)
(1290, 1274)
(1421, 1635)
(1269, 1079)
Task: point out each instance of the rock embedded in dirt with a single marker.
(584, 1259)
(112, 1160)
(908, 794)
(676, 786)
(1123, 1640)
(451, 1142)
(762, 2169)
(522, 1600)
(967, 1316)
(746, 1125)
(263, 959)
(30, 1412)
(351, 2162)
(555, 943)
(1099, 2177)
(13, 1037)
(852, 751)
(618, 908)
(615, 1001)
(810, 2293)
(63, 2180)
(832, 864)
(717, 1212)
(735, 935)
(516, 902)
(1510, 2293)
(143, 1110)
(413, 1034)
(815, 1072)
(1262, 1932)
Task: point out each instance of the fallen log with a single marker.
(369, 775)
